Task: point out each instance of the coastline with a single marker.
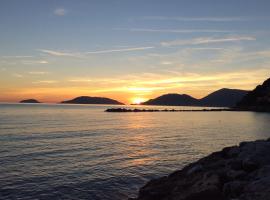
(238, 172)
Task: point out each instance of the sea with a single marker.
(56, 151)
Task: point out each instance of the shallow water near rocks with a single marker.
(81, 152)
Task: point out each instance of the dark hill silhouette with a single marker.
(29, 101)
(92, 100)
(221, 98)
(173, 100)
(257, 99)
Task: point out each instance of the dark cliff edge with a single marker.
(257, 99)
(92, 100)
(30, 101)
(238, 172)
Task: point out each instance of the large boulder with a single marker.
(239, 172)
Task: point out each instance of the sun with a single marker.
(138, 100)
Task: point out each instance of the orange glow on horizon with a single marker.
(138, 100)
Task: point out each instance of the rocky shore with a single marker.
(168, 110)
(235, 173)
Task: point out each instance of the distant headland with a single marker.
(258, 99)
(221, 98)
(255, 100)
(92, 100)
(30, 101)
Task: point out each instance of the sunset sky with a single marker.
(129, 50)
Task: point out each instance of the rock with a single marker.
(257, 99)
(233, 174)
(257, 190)
(249, 165)
(195, 169)
(233, 189)
(239, 172)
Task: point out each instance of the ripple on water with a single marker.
(81, 152)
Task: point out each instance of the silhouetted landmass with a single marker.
(92, 100)
(239, 172)
(221, 98)
(165, 110)
(29, 101)
(257, 99)
(173, 100)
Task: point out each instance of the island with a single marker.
(92, 100)
(238, 172)
(224, 97)
(30, 101)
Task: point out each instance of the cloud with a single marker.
(119, 50)
(34, 62)
(17, 56)
(38, 73)
(17, 75)
(208, 19)
(60, 11)
(207, 40)
(80, 80)
(43, 62)
(81, 54)
(178, 30)
(198, 84)
(45, 82)
(59, 53)
(166, 63)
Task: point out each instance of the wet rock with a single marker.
(239, 172)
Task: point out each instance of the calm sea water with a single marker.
(81, 152)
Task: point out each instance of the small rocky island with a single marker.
(30, 101)
(92, 100)
(235, 173)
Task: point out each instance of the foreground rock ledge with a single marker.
(235, 173)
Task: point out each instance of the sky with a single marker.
(55, 50)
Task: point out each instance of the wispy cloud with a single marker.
(82, 54)
(80, 80)
(120, 50)
(45, 82)
(34, 62)
(17, 57)
(60, 11)
(166, 63)
(17, 75)
(177, 30)
(194, 83)
(38, 73)
(207, 19)
(59, 53)
(207, 40)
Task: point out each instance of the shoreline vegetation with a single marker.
(238, 172)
